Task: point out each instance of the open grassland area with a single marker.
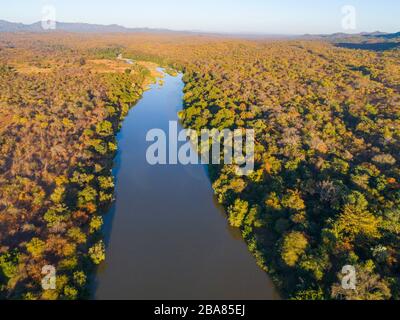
(325, 192)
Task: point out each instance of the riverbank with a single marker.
(123, 104)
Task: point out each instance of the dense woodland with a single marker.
(325, 192)
(58, 120)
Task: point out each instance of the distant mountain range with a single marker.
(363, 36)
(6, 26)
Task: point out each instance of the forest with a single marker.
(59, 113)
(325, 192)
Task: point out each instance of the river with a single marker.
(167, 238)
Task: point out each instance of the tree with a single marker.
(56, 215)
(308, 295)
(292, 200)
(105, 128)
(77, 235)
(80, 278)
(98, 252)
(9, 264)
(58, 194)
(36, 247)
(356, 220)
(96, 223)
(106, 183)
(293, 246)
(237, 213)
(87, 195)
(70, 293)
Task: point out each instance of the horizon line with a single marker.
(239, 33)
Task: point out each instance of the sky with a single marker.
(227, 16)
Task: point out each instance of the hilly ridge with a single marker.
(7, 26)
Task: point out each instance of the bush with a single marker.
(98, 252)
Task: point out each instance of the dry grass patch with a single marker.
(29, 69)
(106, 65)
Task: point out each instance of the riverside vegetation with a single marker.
(325, 192)
(59, 113)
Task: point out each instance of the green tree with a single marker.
(87, 195)
(95, 224)
(98, 252)
(237, 213)
(9, 264)
(80, 278)
(36, 247)
(105, 129)
(293, 246)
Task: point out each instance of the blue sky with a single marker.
(244, 16)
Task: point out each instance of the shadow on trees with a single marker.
(383, 46)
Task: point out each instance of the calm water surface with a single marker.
(167, 238)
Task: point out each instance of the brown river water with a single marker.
(167, 238)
